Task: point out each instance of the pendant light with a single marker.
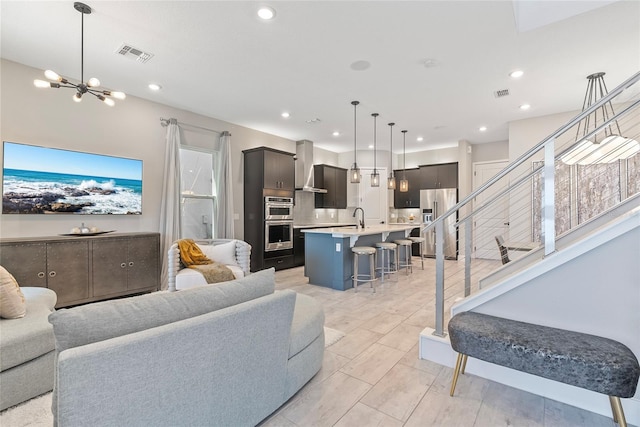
(608, 145)
(391, 181)
(82, 87)
(354, 172)
(375, 176)
(404, 184)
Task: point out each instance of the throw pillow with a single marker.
(12, 304)
(224, 253)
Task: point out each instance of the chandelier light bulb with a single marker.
(52, 75)
(119, 95)
(93, 82)
(77, 97)
(41, 84)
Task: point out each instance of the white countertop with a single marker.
(351, 231)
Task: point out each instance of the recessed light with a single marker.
(370, 146)
(525, 106)
(285, 115)
(266, 13)
(516, 74)
(336, 133)
(419, 139)
(482, 128)
(154, 86)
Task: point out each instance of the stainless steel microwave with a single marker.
(278, 208)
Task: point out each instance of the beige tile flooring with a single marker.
(373, 377)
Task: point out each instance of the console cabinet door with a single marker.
(109, 266)
(68, 271)
(143, 267)
(27, 262)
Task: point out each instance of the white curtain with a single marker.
(224, 200)
(170, 207)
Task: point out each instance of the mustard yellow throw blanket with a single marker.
(192, 257)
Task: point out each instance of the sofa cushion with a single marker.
(27, 338)
(12, 304)
(224, 253)
(100, 321)
(307, 324)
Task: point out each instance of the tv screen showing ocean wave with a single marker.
(39, 180)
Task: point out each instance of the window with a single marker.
(198, 193)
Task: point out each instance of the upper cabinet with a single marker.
(269, 168)
(411, 198)
(334, 180)
(443, 175)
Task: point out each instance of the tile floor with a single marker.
(373, 377)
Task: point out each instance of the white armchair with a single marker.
(235, 254)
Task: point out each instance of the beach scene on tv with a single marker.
(39, 180)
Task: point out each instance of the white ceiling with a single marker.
(218, 59)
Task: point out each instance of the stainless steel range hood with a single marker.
(304, 167)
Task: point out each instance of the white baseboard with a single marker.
(438, 350)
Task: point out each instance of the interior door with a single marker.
(493, 220)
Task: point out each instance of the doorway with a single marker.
(494, 220)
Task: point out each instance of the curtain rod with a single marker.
(165, 122)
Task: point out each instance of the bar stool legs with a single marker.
(385, 261)
(420, 241)
(406, 263)
(371, 277)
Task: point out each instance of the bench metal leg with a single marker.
(464, 363)
(461, 361)
(618, 413)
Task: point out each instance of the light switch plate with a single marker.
(338, 247)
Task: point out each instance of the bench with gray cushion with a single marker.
(582, 360)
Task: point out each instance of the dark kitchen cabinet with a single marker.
(410, 199)
(267, 172)
(334, 180)
(443, 175)
(298, 247)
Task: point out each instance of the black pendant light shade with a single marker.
(391, 180)
(354, 172)
(404, 184)
(375, 176)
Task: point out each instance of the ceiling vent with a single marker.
(131, 52)
(501, 93)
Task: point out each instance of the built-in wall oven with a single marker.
(278, 223)
(278, 208)
(278, 235)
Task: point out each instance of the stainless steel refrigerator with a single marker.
(437, 202)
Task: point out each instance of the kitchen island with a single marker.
(328, 256)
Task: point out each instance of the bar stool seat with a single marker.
(420, 240)
(357, 277)
(406, 263)
(385, 266)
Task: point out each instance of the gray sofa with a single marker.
(27, 350)
(222, 355)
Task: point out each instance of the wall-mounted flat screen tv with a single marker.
(40, 180)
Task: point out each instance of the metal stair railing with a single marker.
(541, 174)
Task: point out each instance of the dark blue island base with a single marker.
(328, 256)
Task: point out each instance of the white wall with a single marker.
(130, 129)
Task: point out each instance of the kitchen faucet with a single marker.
(354, 215)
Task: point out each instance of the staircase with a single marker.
(575, 215)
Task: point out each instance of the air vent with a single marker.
(316, 120)
(501, 93)
(131, 52)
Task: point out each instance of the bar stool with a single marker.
(385, 267)
(419, 240)
(357, 252)
(406, 243)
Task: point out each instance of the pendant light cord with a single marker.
(81, 47)
(375, 145)
(404, 155)
(355, 131)
(391, 125)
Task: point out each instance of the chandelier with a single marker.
(81, 88)
(607, 145)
